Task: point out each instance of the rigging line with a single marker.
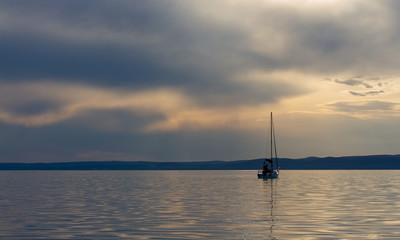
(272, 129)
(276, 153)
(268, 141)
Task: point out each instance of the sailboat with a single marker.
(270, 165)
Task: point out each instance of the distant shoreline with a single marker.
(370, 162)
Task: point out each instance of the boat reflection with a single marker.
(269, 185)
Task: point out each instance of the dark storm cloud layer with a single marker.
(130, 44)
(72, 40)
(49, 59)
(130, 76)
(143, 44)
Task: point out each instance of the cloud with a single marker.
(163, 109)
(353, 82)
(189, 44)
(363, 107)
(169, 49)
(312, 37)
(139, 71)
(194, 47)
(44, 103)
(366, 93)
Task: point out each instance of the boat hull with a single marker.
(274, 174)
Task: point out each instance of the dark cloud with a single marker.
(97, 63)
(366, 93)
(162, 36)
(137, 45)
(142, 44)
(71, 42)
(32, 108)
(116, 120)
(353, 82)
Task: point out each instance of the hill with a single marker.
(310, 163)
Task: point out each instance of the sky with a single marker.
(179, 80)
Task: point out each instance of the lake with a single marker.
(199, 205)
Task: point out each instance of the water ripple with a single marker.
(199, 205)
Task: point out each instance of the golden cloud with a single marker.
(72, 100)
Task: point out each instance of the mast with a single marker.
(273, 136)
(272, 130)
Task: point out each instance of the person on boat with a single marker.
(266, 169)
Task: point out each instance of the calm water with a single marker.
(199, 205)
